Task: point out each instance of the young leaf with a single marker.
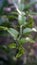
(22, 20)
(13, 45)
(21, 52)
(14, 33)
(22, 41)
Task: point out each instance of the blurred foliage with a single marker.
(21, 33)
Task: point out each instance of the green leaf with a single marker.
(25, 40)
(32, 13)
(13, 45)
(22, 20)
(30, 22)
(28, 39)
(22, 41)
(3, 28)
(21, 6)
(27, 30)
(27, 6)
(21, 52)
(14, 33)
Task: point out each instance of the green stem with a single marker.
(20, 32)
